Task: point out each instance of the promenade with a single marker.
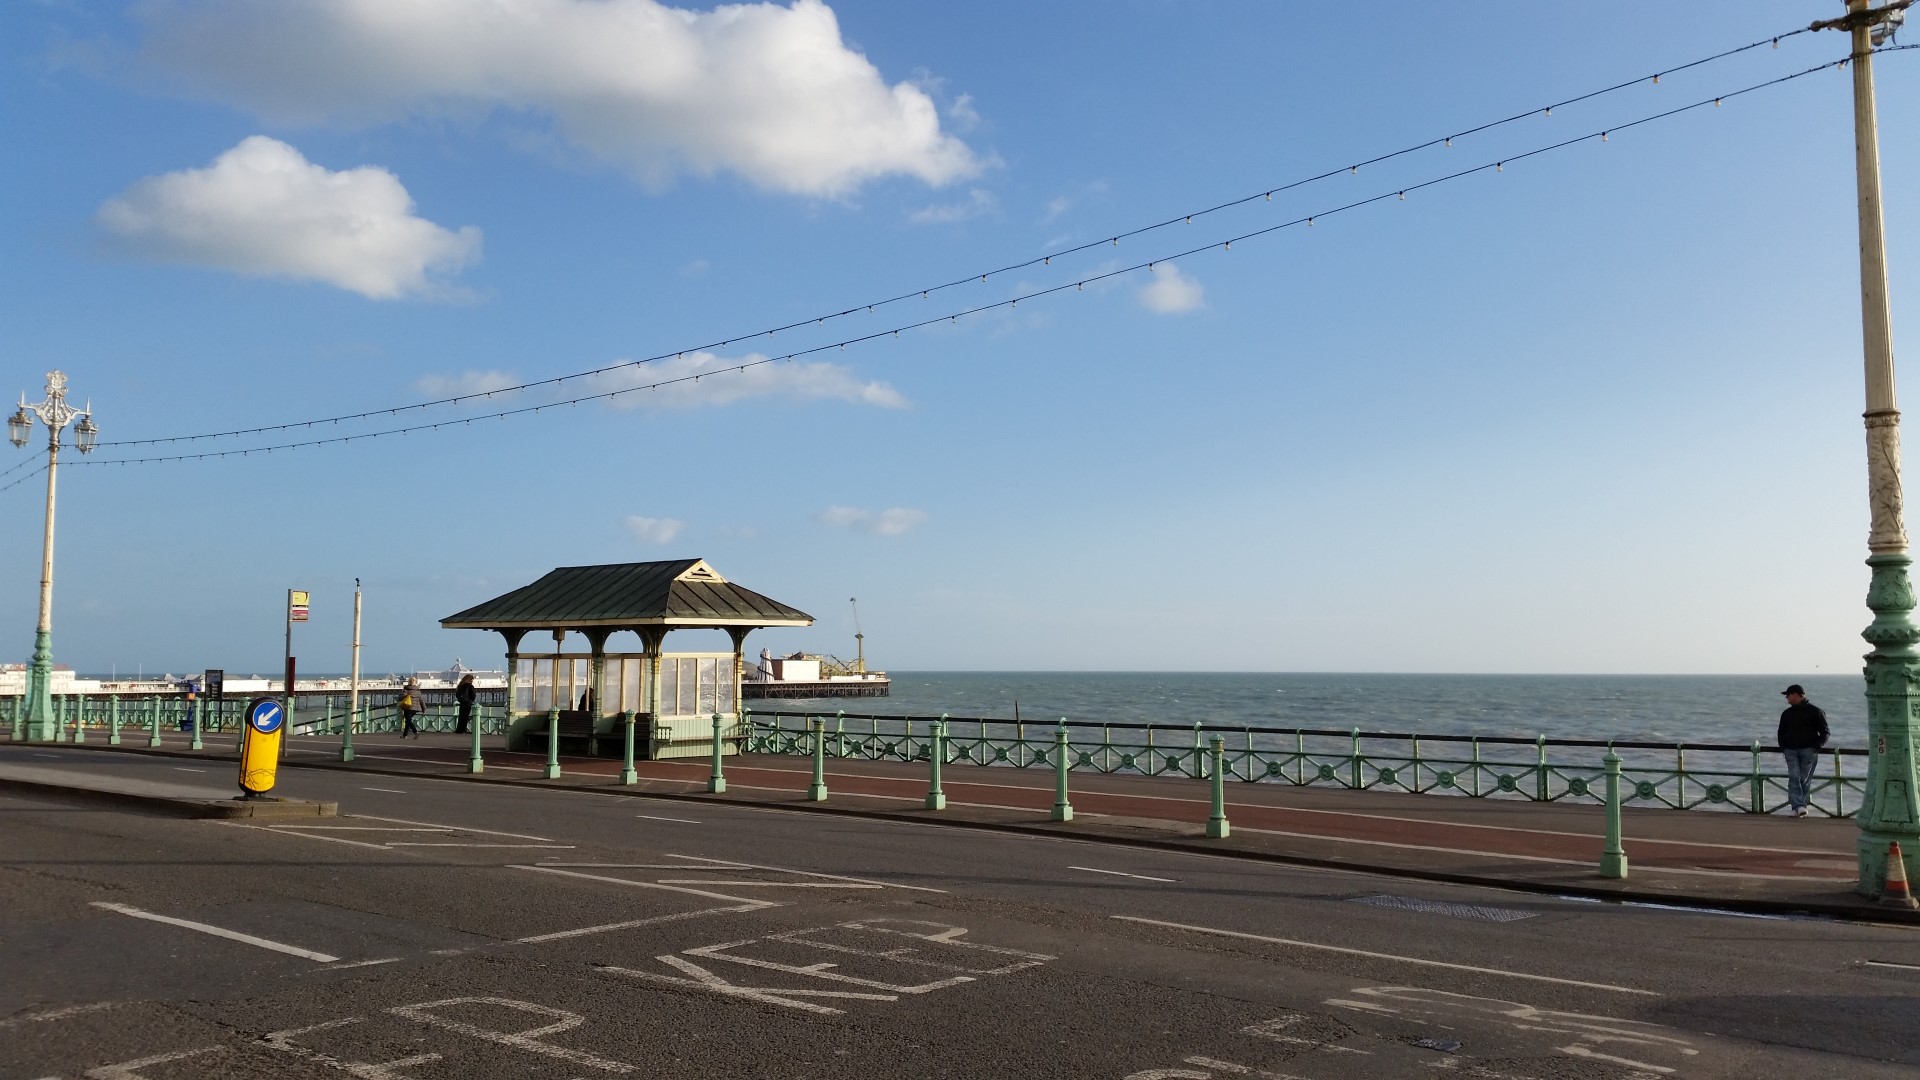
(1762, 864)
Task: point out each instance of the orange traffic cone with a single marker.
(1896, 893)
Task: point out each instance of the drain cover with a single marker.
(1441, 907)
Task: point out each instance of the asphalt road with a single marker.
(453, 930)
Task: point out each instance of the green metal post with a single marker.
(113, 721)
(1756, 789)
(937, 753)
(1062, 809)
(553, 740)
(1840, 788)
(1354, 772)
(77, 705)
(326, 724)
(717, 783)
(199, 725)
(19, 711)
(1540, 769)
(476, 761)
(346, 732)
(817, 791)
(153, 721)
(1299, 757)
(1613, 860)
(1476, 766)
(1217, 827)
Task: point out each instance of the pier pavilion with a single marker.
(669, 698)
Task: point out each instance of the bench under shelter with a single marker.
(584, 699)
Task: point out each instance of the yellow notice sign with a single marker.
(260, 745)
(296, 606)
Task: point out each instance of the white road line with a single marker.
(183, 768)
(681, 820)
(57, 1014)
(1386, 956)
(1116, 873)
(283, 830)
(363, 963)
(364, 828)
(455, 828)
(770, 884)
(919, 799)
(748, 903)
(388, 790)
(37, 753)
(631, 923)
(216, 931)
(802, 873)
(547, 847)
(1891, 964)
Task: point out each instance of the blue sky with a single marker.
(1595, 412)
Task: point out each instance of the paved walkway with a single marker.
(1752, 862)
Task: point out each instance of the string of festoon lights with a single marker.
(1397, 194)
(928, 291)
(10, 485)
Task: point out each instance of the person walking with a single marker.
(1803, 731)
(464, 695)
(409, 708)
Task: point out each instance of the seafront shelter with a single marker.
(586, 698)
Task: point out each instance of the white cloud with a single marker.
(892, 522)
(465, 384)
(979, 201)
(651, 530)
(964, 116)
(767, 91)
(1171, 292)
(704, 379)
(264, 210)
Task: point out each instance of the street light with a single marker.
(56, 414)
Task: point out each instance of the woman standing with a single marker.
(409, 707)
(464, 694)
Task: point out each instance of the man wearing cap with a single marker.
(1803, 731)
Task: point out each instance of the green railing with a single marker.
(1683, 776)
(92, 715)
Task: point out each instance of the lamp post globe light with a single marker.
(56, 414)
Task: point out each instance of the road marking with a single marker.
(363, 828)
(37, 753)
(648, 885)
(216, 931)
(1385, 956)
(58, 1014)
(183, 768)
(912, 798)
(769, 884)
(1116, 873)
(677, 916)
(388, 790)
(454, 828)
(803, 873)
(285, 831)
(422, 843)
(1891, 964)
(363, 963)
(681, 820)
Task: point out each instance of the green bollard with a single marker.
(627, 773)
(326, 724)
(817, 791)
(1062, 809)
(553, 744)
(18, 709)
(1217, 827)
(936, 754)
(77, 705)
(1613, 860)
(113, 721)
(153, 721)
(475, 762)
(199, 725)
(717, 783)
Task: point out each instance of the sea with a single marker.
(1652, 708)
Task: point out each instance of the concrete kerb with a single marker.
(1194, 843)
(173, 805)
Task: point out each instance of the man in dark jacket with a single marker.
(1803, 731)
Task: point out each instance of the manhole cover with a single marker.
(1441, 907)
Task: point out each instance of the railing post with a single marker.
(1540, 769)
(553, 743)
(18, 717)
(113, 720)
(1353, 773)
(346, 731)
(1839, 786)
(1476, 766)
(1299, 758)
(476, 761)
(1217, 827)
(1416, 765)
(1062, 809)
(199, 725)
(77, 705)
(1613, 860)
(1197, 747)
(1756, 787)
(717, 783)
(936, 754)
(817, 791)
(839, 726)
(326, 721)
(153, 721)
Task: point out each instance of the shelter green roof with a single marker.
(671, 593)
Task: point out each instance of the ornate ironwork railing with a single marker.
(1747, 778)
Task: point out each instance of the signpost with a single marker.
(296, 612)
(260, 746)
(216, 682)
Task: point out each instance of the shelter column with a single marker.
(653, 638)
(596, 678)
(513, 678)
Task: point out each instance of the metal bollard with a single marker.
(1613, 860)
(936, 754)
(817, 791)
(199, 725)
(553, 743)
(153, 721)
(78, 706)
(1217, 826)
(717, 783)
(113, 721)
(1062, 809)
(475, 762)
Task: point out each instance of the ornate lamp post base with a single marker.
(1889, 811)
(42, 725)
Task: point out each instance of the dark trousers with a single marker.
(406, 718)
(466, 717)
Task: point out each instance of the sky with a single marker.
(1596, 410)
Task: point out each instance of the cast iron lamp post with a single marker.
(56, 414)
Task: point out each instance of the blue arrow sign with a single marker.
(266, 716)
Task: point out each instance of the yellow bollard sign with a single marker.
(260, 746)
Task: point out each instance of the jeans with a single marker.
(1800, 763)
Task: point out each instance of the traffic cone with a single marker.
(1896, 893)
